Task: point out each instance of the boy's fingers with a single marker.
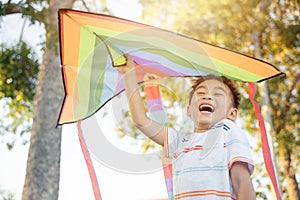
(151, 79)
(156, 76)
(129, 61)
(151, 76)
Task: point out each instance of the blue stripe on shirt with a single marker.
(200, 169)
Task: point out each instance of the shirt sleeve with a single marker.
(170, 142)
(238, 147)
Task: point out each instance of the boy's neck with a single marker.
(202, 129)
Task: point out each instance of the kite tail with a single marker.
(157, 113)
(167, 165)
(264, 140)
(89, 163)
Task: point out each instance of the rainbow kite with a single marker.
(93, 45)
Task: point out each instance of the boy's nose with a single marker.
(207, 97)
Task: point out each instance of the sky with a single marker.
(74, 179)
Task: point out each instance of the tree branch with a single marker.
(10, 8)
(289, 94)
(86, 7)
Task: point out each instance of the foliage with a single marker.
(33, 9)
(6, 195)
(19, 66)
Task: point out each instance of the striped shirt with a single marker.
(201, 161)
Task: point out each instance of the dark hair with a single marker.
(234, 91)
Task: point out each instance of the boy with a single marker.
(214, 162)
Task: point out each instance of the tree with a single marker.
(42, 174)
(237, 24)
(43, 164)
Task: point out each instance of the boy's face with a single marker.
(211, 103)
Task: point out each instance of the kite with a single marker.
(93, 45)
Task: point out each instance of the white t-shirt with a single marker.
(201, 161)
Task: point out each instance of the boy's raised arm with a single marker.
(150, 128)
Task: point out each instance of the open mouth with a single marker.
(207, 108)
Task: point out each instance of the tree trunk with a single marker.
(43, 164)
(289, 174)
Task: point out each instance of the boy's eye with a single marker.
(201, 93)
(218, 94)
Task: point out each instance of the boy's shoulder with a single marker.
(224, 124)
(228, 128)
(230, 124)
(233, 131)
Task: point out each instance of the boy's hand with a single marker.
(151, 79)
(130, 65)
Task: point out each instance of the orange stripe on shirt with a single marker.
(240, 159)
(203, 193)
(195, 148)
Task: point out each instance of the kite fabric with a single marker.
(89, 163)
(92, 45)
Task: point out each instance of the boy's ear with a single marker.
(188, 112)
(232, 115)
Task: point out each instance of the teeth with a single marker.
(206, 108)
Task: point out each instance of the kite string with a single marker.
(264, 140)
(89, 163)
